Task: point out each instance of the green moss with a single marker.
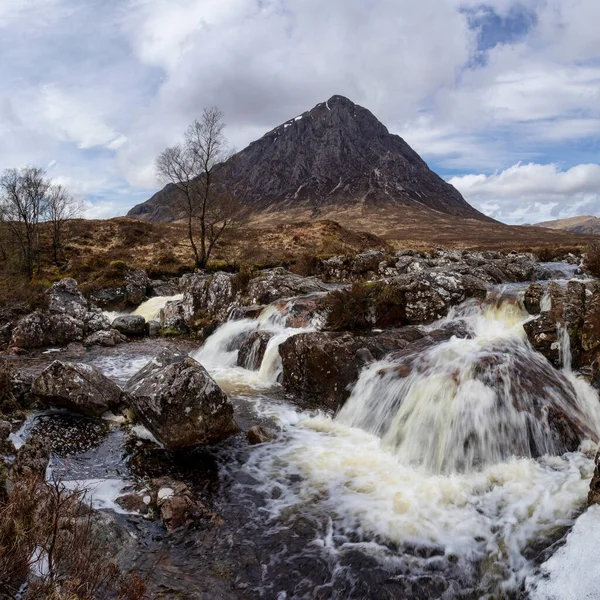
(170, 332)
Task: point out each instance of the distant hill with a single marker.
(585, 224)
(335, 161)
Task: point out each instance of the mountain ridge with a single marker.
(336, 155)
(581, 224)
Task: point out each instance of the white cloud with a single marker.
(534, 192)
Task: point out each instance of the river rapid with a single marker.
(422, 486)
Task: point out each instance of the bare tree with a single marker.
(203, 198)
(61, 207)
(23, 202)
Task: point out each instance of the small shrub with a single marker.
(307, 265)
(46, 523)
(390, 306)
(349, 309)
(364, 306)
(592, 258)
(240, 281)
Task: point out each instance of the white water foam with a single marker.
(150, 309)
(423, 486)
(219, 353)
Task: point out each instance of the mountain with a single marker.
(335, 157)
(584, 224)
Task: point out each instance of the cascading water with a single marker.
(219, 353)
(458, 456)
(471, 401)
(150, 309)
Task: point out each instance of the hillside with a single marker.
(333, 159)
(584, 224)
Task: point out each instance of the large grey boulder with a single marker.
(280, 283)
(107, 338)
(77, 387)
(64, 297)
(172, 316)
(130, 325)
(43, 328)
(179, 402)
(67, 319)
(207, 294)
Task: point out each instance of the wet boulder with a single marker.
(259, 435)
(533, 299)
(280, 283)
(77, 387)
(169, 500)
(172, 317)
(179, 402)
(212, 295)
(246, 312)
(107, 338)
(252, 350)
(320, 368)
(594, 491)
(153, 328)
(43, 328)
(130, 325)
(64, 297)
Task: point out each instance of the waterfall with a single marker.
(220, 351)
(471, 402)
(150, 309)
(450, 448)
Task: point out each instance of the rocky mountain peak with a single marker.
(336, 155)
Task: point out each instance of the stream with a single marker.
(422, 486)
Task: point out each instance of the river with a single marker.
(422, 486)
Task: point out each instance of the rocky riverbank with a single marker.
(200, 445)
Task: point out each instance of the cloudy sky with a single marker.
(502, 98)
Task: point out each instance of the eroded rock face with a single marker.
(573, 311)
(252, 350)
(280, 283)
(132, 294)
(491, 267)
(319, 368)
(169, 500)
(130, 325)
(78, 387)
(43, 328)
(172, 316)
(67, 319)
(179, 402)
(208, 294)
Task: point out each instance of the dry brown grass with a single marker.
(592, 258)
(50, 530)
